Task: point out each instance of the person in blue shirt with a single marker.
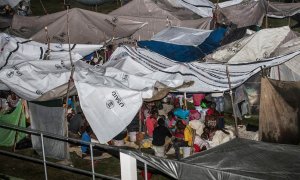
(86, 136)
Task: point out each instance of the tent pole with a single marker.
(234, 113)
(185, 103)
(267, 23)
(70, 79)
(279, 78)
(46, 57)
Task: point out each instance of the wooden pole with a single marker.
(234, 113)
(47, 54)
(267, 23)
(279, 78)
(70, 79)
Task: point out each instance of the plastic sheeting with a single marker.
(279, 116)
(201, 7)
(159, 15)
(49, 119)
(86, 27)
(17, 118)
(237, 159)
(289, 71)
(252, 48)
(184, 44)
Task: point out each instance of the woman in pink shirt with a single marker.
(151, 122)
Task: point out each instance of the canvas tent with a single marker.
(237, 159)
(86, 27)
(158, 15)
(184, 44)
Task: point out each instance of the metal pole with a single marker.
(234, 113)
(92, 160)
(44, 157)
(146, 171)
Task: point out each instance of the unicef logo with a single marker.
(10, 73)
(110, 104)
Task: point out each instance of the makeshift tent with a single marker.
(49, 117)
(201, 7)
(158, 15)
(111, 95)
(279, 115)
(17, 118)
(237, 159)
(252, 48)
(238, 12)
(282, 10)
(184, 44)
(86, 27)
(289, 71)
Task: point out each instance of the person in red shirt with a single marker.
(151, 122)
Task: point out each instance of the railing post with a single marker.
(92, 160)
(44, 156)
(128, 167)
(146, 171)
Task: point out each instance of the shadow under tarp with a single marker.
(279, 117)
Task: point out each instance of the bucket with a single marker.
(159, 151)
(132, 136)
(186, 152)
(118, 142)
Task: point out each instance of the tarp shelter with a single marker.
(239, 12)
(279, 115)
(17, 118)
(234, 160)
(5, 22)
(252, 48)
(159, 14)
(86, 27)
(201, 7)
(184, 44)
(111, 95)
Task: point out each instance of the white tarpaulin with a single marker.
(201, 7)
(290, 70)
(111, 95)
(252, 48)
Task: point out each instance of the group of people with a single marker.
(22, 9)
(173, 128)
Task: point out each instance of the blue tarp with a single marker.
(186, 53)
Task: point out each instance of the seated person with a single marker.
(151, 122)
(160, 137)
(12, 101)
(85, 149)
(179, 138)
(171, 122)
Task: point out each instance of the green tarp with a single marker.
(7, 136)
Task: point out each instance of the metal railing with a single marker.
(46, 163)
